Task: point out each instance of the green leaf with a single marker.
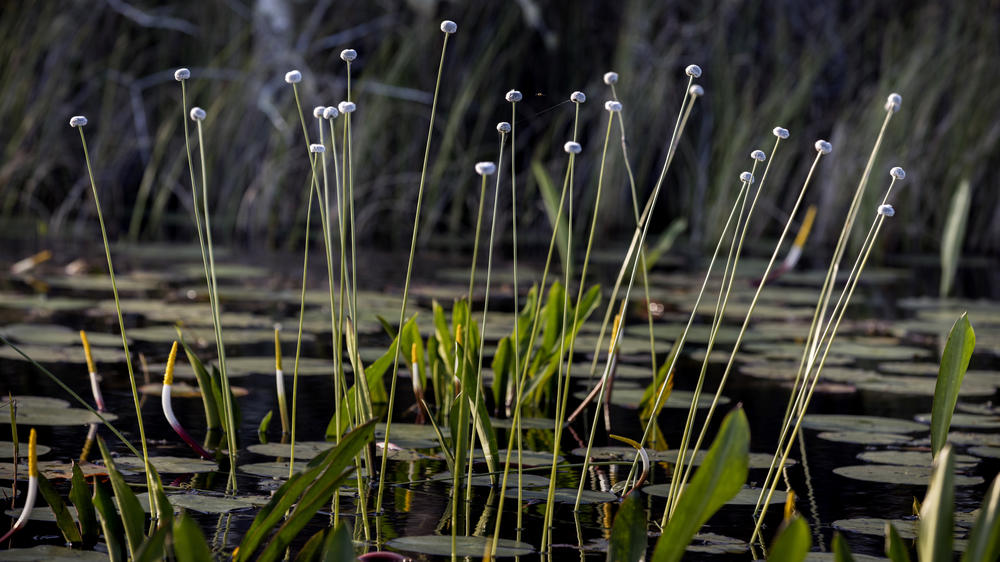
(212, 419)
(79, 494)
(984, 541)
(553, 200)
(792, 544)
(937, 512)
(628, 533)
(310, 551)
(665, 242)
(338, 545)
(111, 523)
(481, 419)
(189, 542)
(151, 549)
(719, 478)
(652, 391)
(895, 548)
(954, 234)
(954, 362)
(133, 516)
(842, 552)
(265, 422)
(63, 518)
(503, 364)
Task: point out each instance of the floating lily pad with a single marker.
(527, 480)
(39, 410)
(441, 545)
(562, 495)
(7, 449)
(965, 438)
(746, 496)
(711, 543)
(630, 397)
(528, 458)
(184, 390)
(264, 365)
(206, 503)
(985, 452)
(304, 450)
(50, 334)
(271, 469)
(34, 402)
(913, 458)
(874, 424)
(50, 553)
(167, 464)
(864, 437)
(925, 386)
(526, 423)
(205, 336)
(907, 528)
(73, 355)
(101, 282)
(891, 474)
(40, 513)
(970, 421)
(227, 271)
(987, 409)
(909, 368)
(756, 460)
(61, 469)
(42, 303)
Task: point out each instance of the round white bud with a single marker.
(77, 121)
(612, 105)
(886, 210)
(449, 27)
(503, 127)
(610, 78)
(898, 173)
(182, 74)
(198, 114)
(348, 55)
(758, 155)
(578, 97)
(330, 113)
(346, 107)
(693, 70)
(486, 168)
(318, 111)
(823, 147)
(317, 148)
(572, 147)
(893, 102)
(513, 96)
(293, 77)
(780, 132)
(696, 91)
(746, 177)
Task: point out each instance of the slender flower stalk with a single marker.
(448, 30)
(279, 382)
(168, 409)
(29, 500)
(95, 387)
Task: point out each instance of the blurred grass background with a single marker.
(823, 70)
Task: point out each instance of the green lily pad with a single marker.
(50, 553)
(562, 495)
(441, 545)
(272, 469)
(101, 282)
(526, 423)
(925, 386)
(985, 452)
(907, 528)
(43, 303)
(965, 438)
(264, 365)
(184, 390)
(233, 271)
(913, 458)
(73, 355)
(528, 458)
(206, 337)
(873, 424)
(206, 503)
(630, 397)
(891, 474)
(909, 368)
(40, 513)
(527, 480)
(746, 496)
(987, 409)
(970, 421)
(829, 557)
(614, 453)
(40, 410)
(410, 431)
(864, 437)
(167, 464)
(7, 449)
(304, 450)
(51, 334)
(34, 402)
(711, 543)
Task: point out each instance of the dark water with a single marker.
(415, 505)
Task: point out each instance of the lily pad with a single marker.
(925, 386)
(873, 424)
(184, 390)
(304, 450)
(264, 365)
(50, 553)
(233, 271)
(970, 421)
(441, 545)
(829, 557)
(864, 437)
(526, 423)
(272, 469)
(40, 513)
(711, 543)
(562, 495)
(206, 503)
(756, 460)
(527, 480)
(205, 337)
(907, 528)
(528, 458)
(985, 452)
(72, 355)
(39, 410)
(42, 303)
(630, 397)
(7, 449)
(50, 334)
(913, 458)
(891, 474)
(746, 496)
(101, 282)
(909, 368)
(966, 438)
(167, 464)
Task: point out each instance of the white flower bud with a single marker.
(182, 74)
(746, 177)
(578, 97)
(823, 147)
(348, 55)
(780, 132)
(198, 114)
(449, 27)
(330, 113)
(610, 78)
(886, 210)
(513, 96)
(696, 91)
(486, 168)
(317, 148)
(893, 102)
(503, 127)
(898, 173)
(612, 105)
(293, 77)
(346, 107)
(318, 111)
(758, 155)
(693, 70)
(77, 121)
(572, 147)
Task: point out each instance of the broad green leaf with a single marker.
(63, 518)
(310, 551)
(841, 552)
(265, 422)
(79, 494)
(937, 512)
(665, 242)
(212, 419)
(719, 478)
(111, 522)
(954, 362)
(338, 545)
(984, 541)
(151, 549)
(954, 234)
(503, 365)
(895, 548)
(553, 201)
(628, 533)
(189, 542)
(133, 516)
(649, 396)
(481, 419)
(792, 544)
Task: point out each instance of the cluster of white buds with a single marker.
(513, 96)
(330, 113)
(746, 177)
(317, 148)
(823, 147)
(449, 27)
(893, 102)
(758, 155)
(198, 114)
(610, 78)
(897, 173)
(293, 77)
(578, 97)
(696, 90)
(348, 55)
(780, 132)
(503, 127)
(886, 210)
(77, 121)
(182, 74)
(612, 105)
(486, 168)
(572, 147)
(318, 111)
(693, 70)
(346, 107)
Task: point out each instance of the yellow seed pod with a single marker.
(277, 350)
(33, 454)
(789, 505)
(168, 375)
(86, 351)
(458, 334)
(807, 222)
(614, 331)
(413, 353)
